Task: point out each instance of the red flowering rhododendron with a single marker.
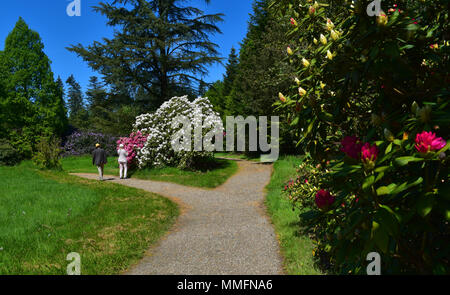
(324, 199)
(369, 153)
(131, 144)
(427, 141)
(351, 146)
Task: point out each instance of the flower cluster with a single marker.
(159, 127)
(324, 199)
(427, 141)
(83, 143)
(132, 145)
(354, 148)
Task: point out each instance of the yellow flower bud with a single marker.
(305, 62)
(297, 81)
(323, 39)
(330, 24)
(382, 19)
(315, 41)
(329, 55)
(334, 35)
(281, 96)
(414, 107)
(289, 51)
(388, 135)
(322, 85)
(301, 91)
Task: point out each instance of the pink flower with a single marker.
(427, 141)
(324, 199)
(293, 21)
(351, 145)
(369, 152)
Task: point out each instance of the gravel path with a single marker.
(220, 231)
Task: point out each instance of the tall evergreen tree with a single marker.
(32, 99)
(96, 95)
(231, 72)
(74, 97)
(78, 115)
(262, 70)
(159, 45)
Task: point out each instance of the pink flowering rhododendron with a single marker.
(324, 199)
(427, 141)
(351, 146)
(369, 153)
(132, 144)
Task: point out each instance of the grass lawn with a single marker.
(212, 175)
(236, 156)
(295, 248)
(46, 215)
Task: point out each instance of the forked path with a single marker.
(220, 231)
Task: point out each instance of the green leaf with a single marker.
(388, 149)
(368, 182)
(386, 217)
(402, 161)
(380, 236)
(424, 205)
(386, 190)
(382, 168)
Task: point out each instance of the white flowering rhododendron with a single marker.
(160, 128)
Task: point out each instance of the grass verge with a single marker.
(213, 173)
(295, 248)
(46, 215)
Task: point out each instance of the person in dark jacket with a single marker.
(99, 159)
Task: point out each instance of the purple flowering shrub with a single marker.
(83, 143)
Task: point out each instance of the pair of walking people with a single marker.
(100, 159)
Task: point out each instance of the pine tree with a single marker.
(160, 46)
(78, 115)
(32, 102)
(75, 97)
(231, 72)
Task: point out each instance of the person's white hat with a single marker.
(121, 145)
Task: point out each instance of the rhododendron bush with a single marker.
(132, 145)
(159, 129)
(371, 98)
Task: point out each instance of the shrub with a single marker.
(158, 151)
(9, 156)
(132, 145)
(48, 153)
(379, 84)
(83, 143)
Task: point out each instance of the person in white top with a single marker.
(123, 154)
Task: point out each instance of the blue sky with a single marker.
(58, 30)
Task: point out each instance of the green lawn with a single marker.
(215, 172)
(46, 215)
(295, 248)
(229, 155)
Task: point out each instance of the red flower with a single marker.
(427, 141)
(351, 145)
(369, 152)
(324, 199)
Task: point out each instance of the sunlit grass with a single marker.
(46, 215)
(212, 173)
(295, 247)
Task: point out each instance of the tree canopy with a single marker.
(159, 46)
